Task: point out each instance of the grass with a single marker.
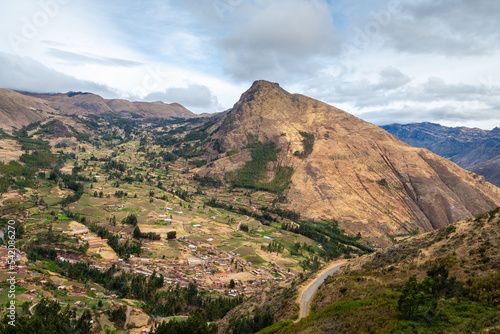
(255, 170)
(48, 265)
(255, 259)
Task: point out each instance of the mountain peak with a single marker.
(347, 168)
(264, 84)
(263, 90)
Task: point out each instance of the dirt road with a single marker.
(238, 227)
(306, 294)
(129, 309)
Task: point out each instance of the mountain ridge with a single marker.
(474, 149)
(18, 109)
(84, 103)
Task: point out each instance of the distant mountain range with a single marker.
(18, 109)
(473, 149)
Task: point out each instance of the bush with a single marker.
(130, 220)
(308, 143)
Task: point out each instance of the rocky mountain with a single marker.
(473, 149)
(343, 167)
(78, 103)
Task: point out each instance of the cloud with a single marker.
(278, 40)
(392, 78)
(79, 59)
(451, 27)
(192, 96)
(446, 115)
(26, 74)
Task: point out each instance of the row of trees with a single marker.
(333, 240)
(124, 249)
(137, 234)
(48, 318)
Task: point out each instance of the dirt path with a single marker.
(307, 292)
(129, 310)
(238, 227)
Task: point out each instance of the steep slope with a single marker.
(356, 172)
(490, 169)
(362, 297)
(17, 110)
(77, 103)
(466, 147)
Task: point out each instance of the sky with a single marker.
(387, 61)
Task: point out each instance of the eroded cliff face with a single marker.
(356, 173)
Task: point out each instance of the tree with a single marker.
(83, 323)
(131, 220)
(414, 295)
(171, 235)
(439, 275)
(196, 324)
(25, 307)
(232, 284)
(137, 233)
(118, 316)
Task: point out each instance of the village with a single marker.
(202, 263)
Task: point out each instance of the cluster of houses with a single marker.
(202, 263)
(207, 266)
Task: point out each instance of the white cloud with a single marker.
(278, 40)
(392, 78)
(22, 73)
(192, 96)
(451, 27)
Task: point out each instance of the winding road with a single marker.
(310, 289)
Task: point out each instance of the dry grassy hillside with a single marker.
(463, 259)
(86, 103)
(468, 249)
(17, 110)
